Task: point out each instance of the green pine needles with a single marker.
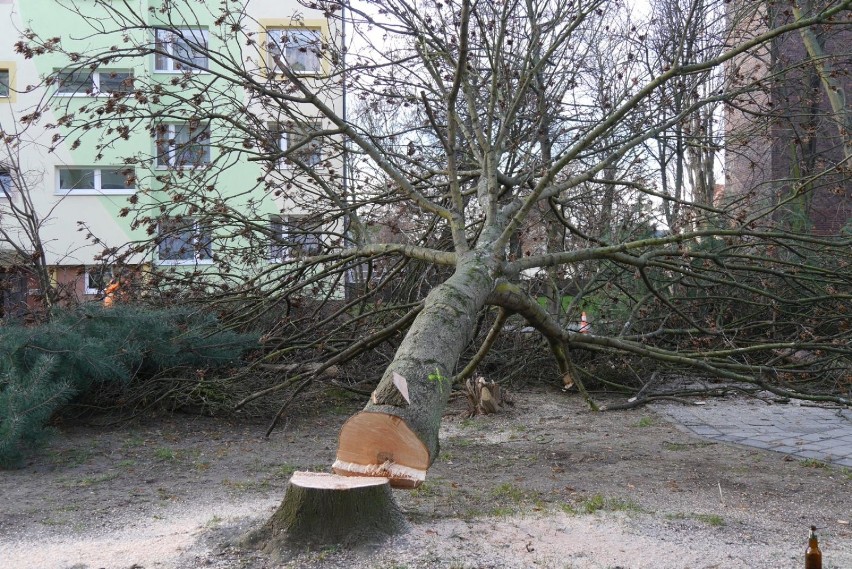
(99, 356)
(28, 398)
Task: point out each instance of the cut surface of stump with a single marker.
(325, 509)
(382, 445)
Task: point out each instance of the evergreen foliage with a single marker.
(99, 354)
(27, 401)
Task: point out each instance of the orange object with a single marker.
(109, 293)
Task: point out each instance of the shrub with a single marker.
(102, 356)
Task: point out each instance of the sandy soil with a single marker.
(545, 484)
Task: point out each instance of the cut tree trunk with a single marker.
(324, 509)
(396, 435)
(395, 438)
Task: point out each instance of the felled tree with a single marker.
(484, 153)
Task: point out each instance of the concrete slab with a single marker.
(798, 429)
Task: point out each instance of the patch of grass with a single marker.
(645, 422)
(675, 446)
(569, 509)
(426, 490)
(812, 463)
(462, 442)
(92, 480)
(714, 520)
(284, 471)
(127, 463)
(501, 511)
(446, 456)
(213, 522)
(622, 505)
(593, 504)
(72, 457)
(133, 442)
(599, 502)
(510, 492)
(164, 453)
(245, 485)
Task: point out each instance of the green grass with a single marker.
(90, 481)
(246, 485)
(598, 503)
(509, 491)
(285, 471)
(812, 463)
(675, 446)
(645, 422)
(72, 457)
(714, 520)
(164, 453)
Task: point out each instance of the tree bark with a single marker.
(397, 437)
(323, 509)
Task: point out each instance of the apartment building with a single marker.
(786, 142)
(161, 138)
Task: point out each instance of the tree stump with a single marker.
(484, 397)
(324, 509)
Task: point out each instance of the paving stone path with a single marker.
(797, 429)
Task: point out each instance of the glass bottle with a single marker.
(813, 556)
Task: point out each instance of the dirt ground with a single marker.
(545, 484)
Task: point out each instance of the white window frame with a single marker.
(97, 178)
(167, 157)
(310, 154)
(286, 245)
(168, 38)
(106, 271)
(7, 183)
(293, 52)
(197, 235)
(94, 82)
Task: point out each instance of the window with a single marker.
(90, 84)
(5, 83)
(180, 50)
(184, 241)
(301, 141)
(6, 184)
(96, 181)
(185, 145)
(96, 279)
(299, 48)
(293, 236)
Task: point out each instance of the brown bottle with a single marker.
(813, 556)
